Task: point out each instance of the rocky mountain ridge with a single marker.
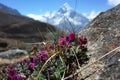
(9, 10)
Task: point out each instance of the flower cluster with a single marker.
(12, 74)
(38, 58)
(82, 42)
(64, 41)
(43, 55)
(27, 66)
(71, 46)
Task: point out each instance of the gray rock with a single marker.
(103, 35)
(13, 53)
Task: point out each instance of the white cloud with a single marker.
(34, 16)
(91, 15)
(113, 2)
(41, 17)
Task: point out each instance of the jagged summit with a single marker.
(65, 8)
(66, 15)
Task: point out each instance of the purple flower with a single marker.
(71, 37)
(9, 68)
(19, 78)
(32, 59)
(62, 42)
(9, 78)
(51, 47)
(11, 71)
(31, 67)
(44, 52)
(24, 61)
(80, 47)
(16, 77)
(82, 40)
(12, 74)
(43, 55)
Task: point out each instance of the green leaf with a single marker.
(31, 79)
(58, 76)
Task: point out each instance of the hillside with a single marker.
(22, 28)
(103, 34)
(9, 10)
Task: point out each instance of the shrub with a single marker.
(62, 58)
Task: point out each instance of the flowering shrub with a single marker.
(67, 56)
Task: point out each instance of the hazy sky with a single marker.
(38, 7)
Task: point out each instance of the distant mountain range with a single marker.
(15, 26)
(66, 17)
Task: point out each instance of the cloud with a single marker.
(113, 2)
(41, 17)
(91, 15)
(34, 16)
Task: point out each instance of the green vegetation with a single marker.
(57, 60)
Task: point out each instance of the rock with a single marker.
(103, 36)
(111, 67)
(13, 53)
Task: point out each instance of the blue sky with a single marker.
(38, 7)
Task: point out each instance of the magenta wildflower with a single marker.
(43, 55)
(16, 77)
(82, 40)
(71, 37)
(19, 78)
(31, 67)
(9, 68)
(12, 74)
(10, 78)
(24, 61)
(62, 42)
(80, 47)
(11, 71)
(32, 59)
(51, 47)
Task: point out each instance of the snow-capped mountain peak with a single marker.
(65, 16)
(65, 8)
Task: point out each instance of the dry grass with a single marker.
(12, 61)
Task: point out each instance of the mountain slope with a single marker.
(103, 34)
(6, 19)
(22, 28)
(9, 10)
